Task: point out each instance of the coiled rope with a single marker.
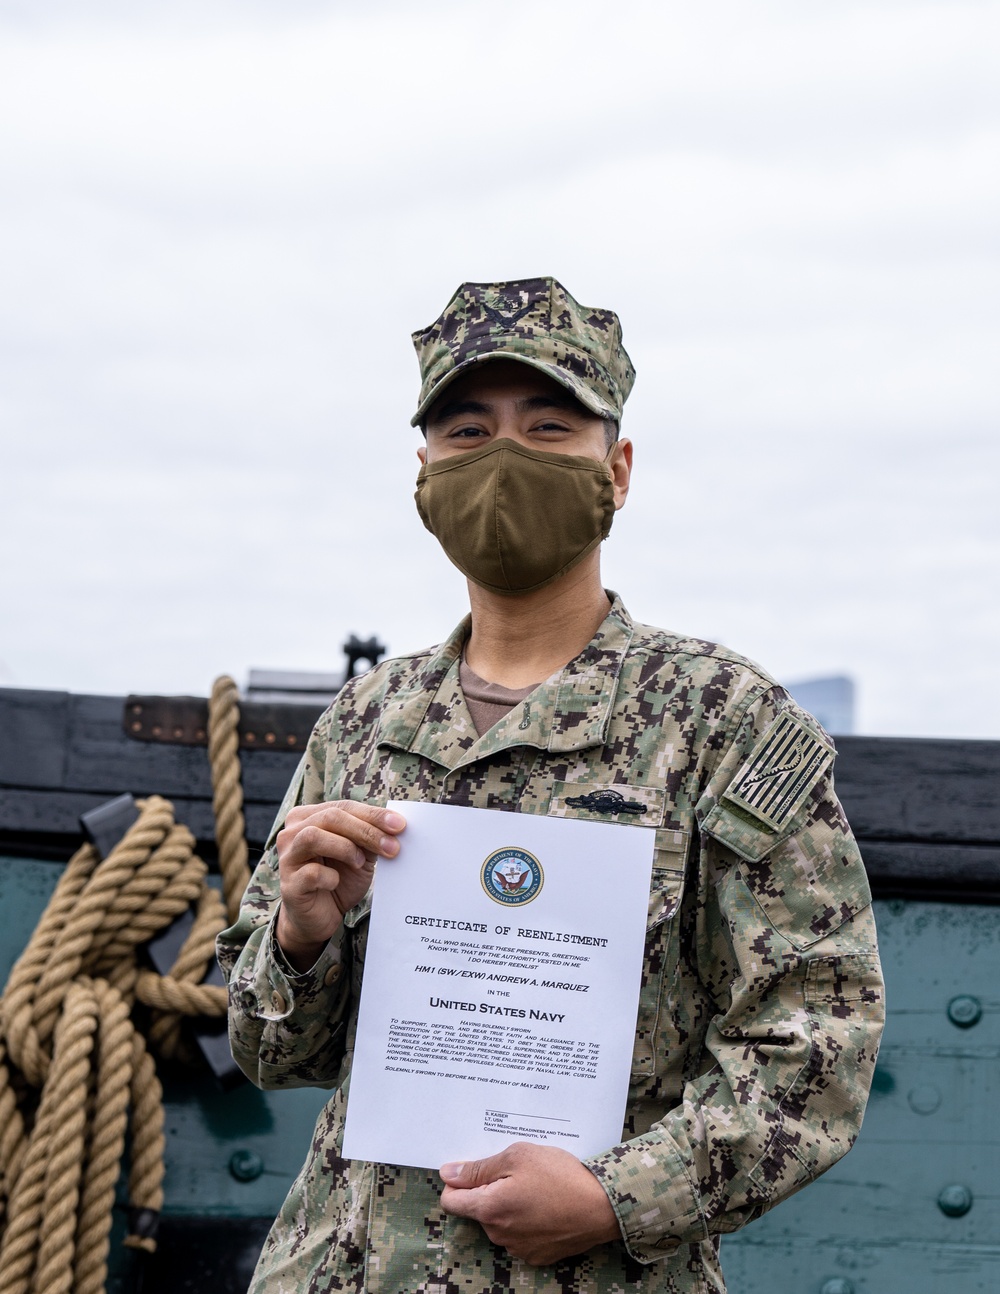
(75, 1071)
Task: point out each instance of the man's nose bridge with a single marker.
(508, 428)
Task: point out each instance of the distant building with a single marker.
(831, 700)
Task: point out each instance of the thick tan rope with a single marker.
(114, 1069)
(227, 793)
(75, 1072)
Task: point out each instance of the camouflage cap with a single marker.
(535, 321)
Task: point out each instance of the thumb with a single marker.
(474, 1172)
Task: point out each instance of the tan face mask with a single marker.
(514, 519)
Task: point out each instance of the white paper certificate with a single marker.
(501, 986)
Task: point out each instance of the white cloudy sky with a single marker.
(219, 223)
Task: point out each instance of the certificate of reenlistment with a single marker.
(501, 986)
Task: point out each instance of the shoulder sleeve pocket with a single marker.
(808, 881)
(741, 833)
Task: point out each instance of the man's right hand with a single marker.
(326, 858)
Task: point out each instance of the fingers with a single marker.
(344, 831)
(478, 1172)
(387, 819)
(326, 857)
(461, 1204)
(312, 842)
(539, 1203)
(467, 1191)
(309, 878)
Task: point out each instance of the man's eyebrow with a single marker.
(530, 404)
(456, 408)
(553, 401)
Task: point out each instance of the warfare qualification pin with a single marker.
(512, 876)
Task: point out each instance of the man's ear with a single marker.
(422, 453)
(621, 470)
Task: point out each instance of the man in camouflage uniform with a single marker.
(761, 999)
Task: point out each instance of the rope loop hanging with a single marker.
(76, 1073)
(227, 793)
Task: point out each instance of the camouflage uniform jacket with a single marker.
(761, 1001)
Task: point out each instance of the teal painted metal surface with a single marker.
(915, 1207)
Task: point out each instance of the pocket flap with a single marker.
(741, 833)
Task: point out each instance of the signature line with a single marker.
(514, 1115)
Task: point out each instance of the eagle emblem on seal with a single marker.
(512, 876)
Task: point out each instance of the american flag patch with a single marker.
(781, 771)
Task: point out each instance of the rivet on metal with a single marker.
(965, 1011)
(157, 730)
(200, 734)
(269, 738)
(924, 1099)
(955, 1201)
(137, 726)
(837, 1285)
(137, 709)
(249, 736)
(246, 1165)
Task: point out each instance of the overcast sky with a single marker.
(220, 222)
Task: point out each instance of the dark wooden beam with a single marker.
(926, 811)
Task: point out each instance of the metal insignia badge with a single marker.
(607, 801)
(781, 771)
(506, 311)
(512, 876)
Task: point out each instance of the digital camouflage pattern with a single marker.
(761, 1001)
(535, 321)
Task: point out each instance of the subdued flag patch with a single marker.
(782, 769)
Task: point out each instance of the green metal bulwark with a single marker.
(915, 1206)
(914, 1209)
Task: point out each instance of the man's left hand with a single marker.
(538, 1202)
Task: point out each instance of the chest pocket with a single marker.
(633, 806)
(642, 806)
(667, 885)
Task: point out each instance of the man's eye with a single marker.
(458, 432)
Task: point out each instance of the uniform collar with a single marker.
(569, 711)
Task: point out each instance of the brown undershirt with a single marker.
(488, 702)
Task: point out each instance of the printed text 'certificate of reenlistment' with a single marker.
(501, 986)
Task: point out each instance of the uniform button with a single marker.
(278, 1003)
(332, 975)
